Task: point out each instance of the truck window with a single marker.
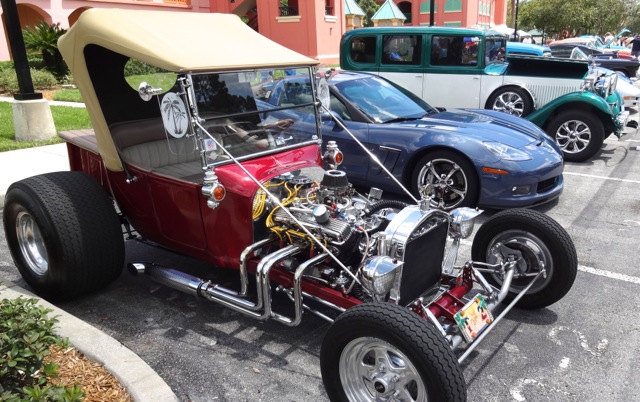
(454, 50)
(363, 49)
(495, 50)
(401, 49)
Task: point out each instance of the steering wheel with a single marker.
(279, 126)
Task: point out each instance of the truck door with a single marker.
(454, 71)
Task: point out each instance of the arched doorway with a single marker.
(405, 7)
(73, 17)
(29, 16)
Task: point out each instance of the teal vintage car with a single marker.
(470, 68)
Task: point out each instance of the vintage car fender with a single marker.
(541, 115)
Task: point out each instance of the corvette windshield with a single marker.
(232, 111)
(383, 101)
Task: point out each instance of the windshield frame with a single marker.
(251, 109)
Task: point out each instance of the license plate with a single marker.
(473, 318)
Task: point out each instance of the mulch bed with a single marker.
(98, 384)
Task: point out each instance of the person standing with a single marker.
(608, 37)
(635, 46)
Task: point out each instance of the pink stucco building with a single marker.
(311, 27)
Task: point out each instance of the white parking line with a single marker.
(601, 177)
(609, 274)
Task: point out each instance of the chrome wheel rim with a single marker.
(573, 136)
(31, 243)
(535, 253)
(509, 102)
(374, 370)
(444, 180)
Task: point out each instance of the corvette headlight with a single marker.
(506, 152)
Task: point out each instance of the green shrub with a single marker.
(8, 81)
(6, 65)
(26, 333)
(41, 79)
(36, 61)
(136, 67)
(43, 38)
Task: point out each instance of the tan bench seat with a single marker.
(144, 143)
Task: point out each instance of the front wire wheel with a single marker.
(578, 134)
(384, 352)
(543, 244)
(512, 101)
(448, 177)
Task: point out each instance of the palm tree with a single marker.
(43, 38)
(173, 106)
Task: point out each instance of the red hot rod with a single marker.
(197, 163)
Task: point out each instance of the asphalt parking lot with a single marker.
(582, 348)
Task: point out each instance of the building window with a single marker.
(329, 9)
(425, 7)
(288, 8)
(453, 5)
(401, 49)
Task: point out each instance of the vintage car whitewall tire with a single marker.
(542, 242)
(374, 350)
(450, 172)
(63, 233)
(512, 100)
(578, 133)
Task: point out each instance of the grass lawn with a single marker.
(64, 118)
(68, 95)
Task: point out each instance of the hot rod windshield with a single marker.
(231, 109)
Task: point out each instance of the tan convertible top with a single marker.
(174, 41)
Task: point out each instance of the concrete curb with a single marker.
(140, 380)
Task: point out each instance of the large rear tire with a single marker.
(64, 234)
(384, 352)
(542, 242)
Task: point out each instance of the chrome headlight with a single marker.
(607, 85)
(613, 83)
(379, 274)
(462, 222)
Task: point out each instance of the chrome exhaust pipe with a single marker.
(262, 275)
(244, 257)
(195, 286)
(297, 291)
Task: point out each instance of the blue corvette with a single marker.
(464, 157)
